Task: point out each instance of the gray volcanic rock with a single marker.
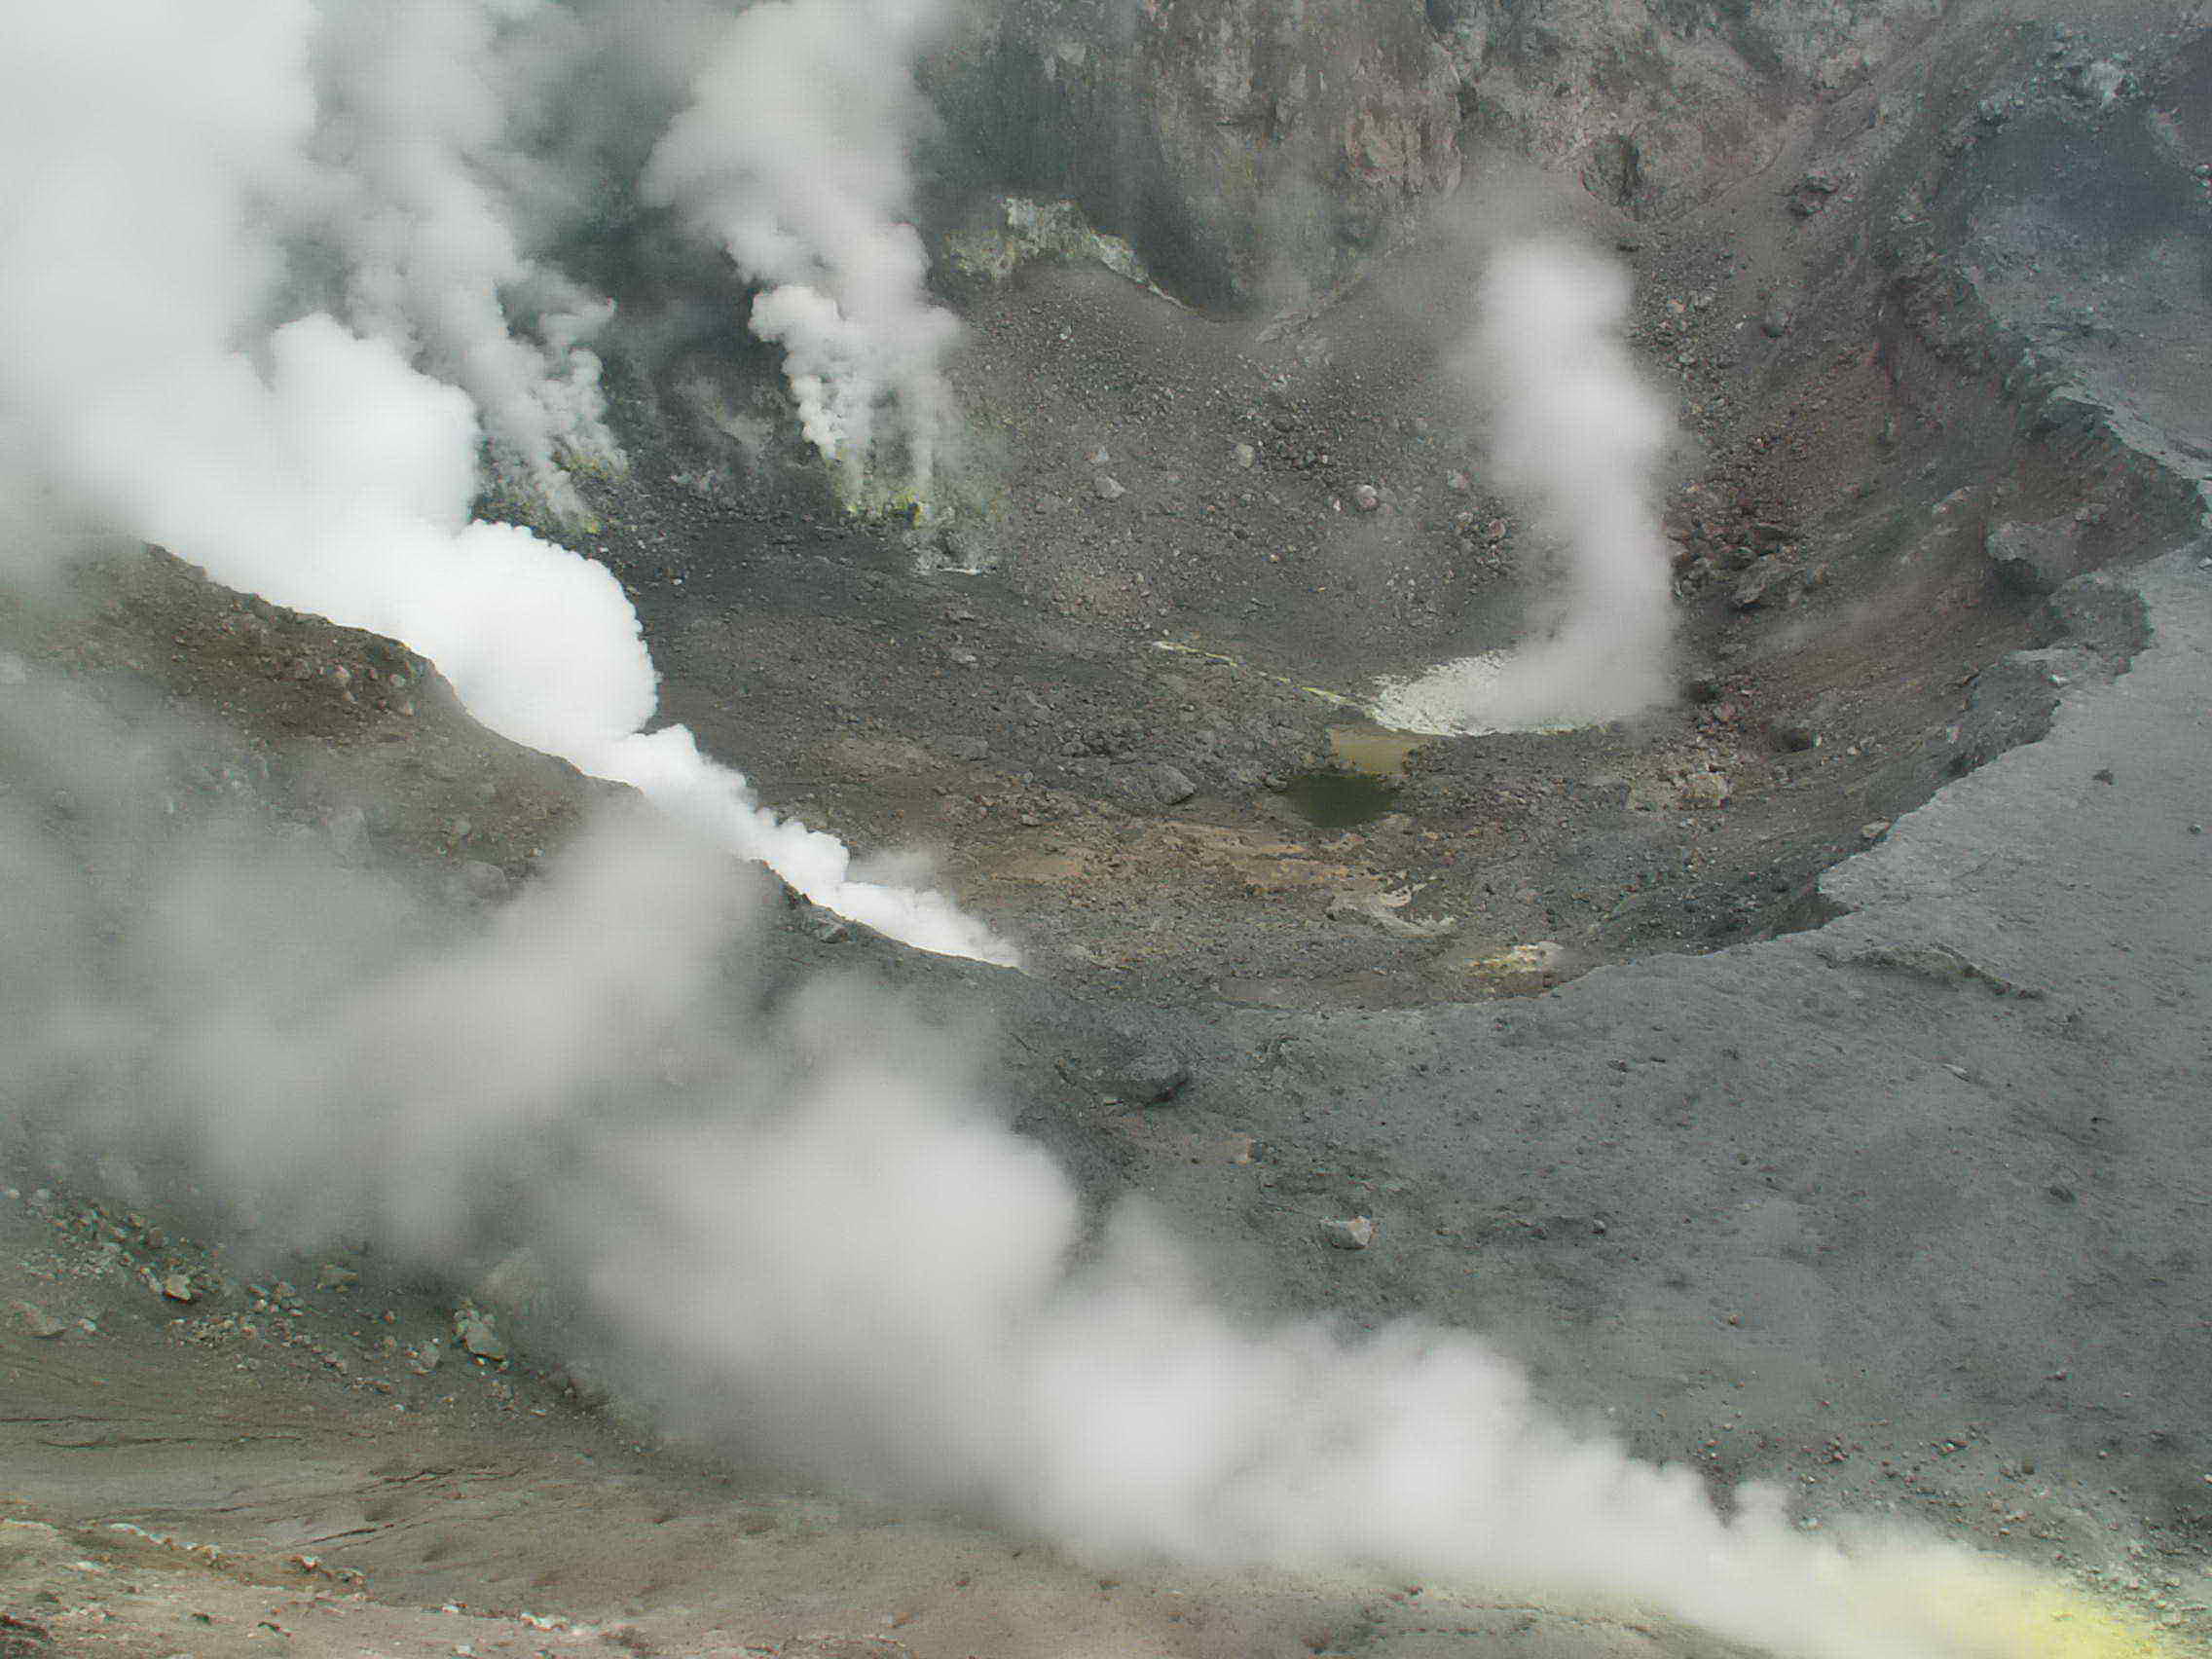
(1946, 1152)
(2032, 558)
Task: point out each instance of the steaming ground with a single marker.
(1577, 436)
(787, 1216)
(324, 465)
(792, 155)
(794, 1225)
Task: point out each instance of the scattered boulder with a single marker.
(2033, 559)
(1171, 787)
(1520, 966)
(2096, 613)
(1380, 912)
(473, 1330)
(1144, 1080)
(1810, 194)
(1705, 790)
(1350, 1232)
(1751, 593)
(1108, 488)
(37, 1322)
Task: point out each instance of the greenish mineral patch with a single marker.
(1041, 229)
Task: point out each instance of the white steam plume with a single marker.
(413, 126)
(792, 156)
(1577, 437)
(149, 152)
(809, 1233)
(812, 1221)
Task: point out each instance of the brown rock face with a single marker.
(1343, 106)
(1249, 149)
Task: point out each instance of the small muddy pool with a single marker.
(1331, 799)
(1367, 764)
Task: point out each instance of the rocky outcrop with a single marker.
(1655, 104)
(1248, 149)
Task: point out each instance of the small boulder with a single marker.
(2032, 558)
(1145, 1079)
(1751, 593)
(1350, 1232)
(2096, 613)
(37, 1322)
(1108, 488)
(1169, 786)
(1705, 790)
(1810, 194)
(475, 1330)
(1520, 968)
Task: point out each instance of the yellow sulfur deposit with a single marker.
(1979, 1614)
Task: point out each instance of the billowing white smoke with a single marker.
(150, 152)
(1577, 437)
(808, 1231)
(418, 197)
(793, 156)
(812, 1223)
